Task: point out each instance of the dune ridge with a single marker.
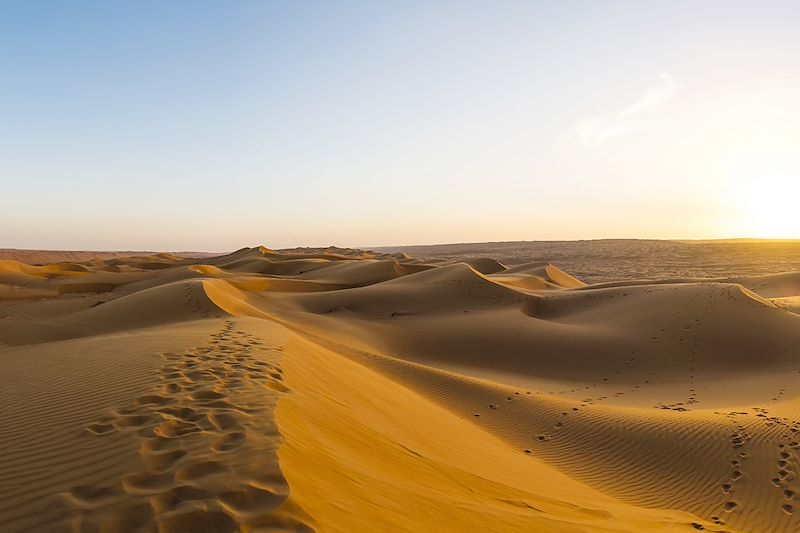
(342, 390)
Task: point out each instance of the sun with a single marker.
(772, 207)
(765, 197)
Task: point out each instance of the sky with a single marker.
(207, 125)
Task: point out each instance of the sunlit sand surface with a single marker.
(339, 390)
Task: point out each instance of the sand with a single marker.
(341, 390)
(42, 257)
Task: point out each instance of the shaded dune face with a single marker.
(280, 391)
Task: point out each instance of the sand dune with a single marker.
(341, 390)
(42, 257)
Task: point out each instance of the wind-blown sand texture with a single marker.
(347, 391)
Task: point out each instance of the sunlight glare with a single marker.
(766, 196)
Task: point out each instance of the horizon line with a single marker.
(407, 245)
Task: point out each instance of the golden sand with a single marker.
(353, 392)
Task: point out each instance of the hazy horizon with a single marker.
(404, 245)
(202, 126)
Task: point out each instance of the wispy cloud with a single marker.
(598, 129)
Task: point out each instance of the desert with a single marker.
(346, 390)
(431, 266)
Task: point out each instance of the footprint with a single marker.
(98, 428)
(163, 461)
(87, 496)
(251, 500)
(186, 414)
(135, 517)
(146, 483)
(151, 399)
(133, 421)
(175, 428)
(224, 421)
(201, 471)
(172, 388)
(206, 395)
(195, 519)
(172, 498)
(228, 442)
(278, 387)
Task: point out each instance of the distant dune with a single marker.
(413, 389)
(38, 257)
(598, 261)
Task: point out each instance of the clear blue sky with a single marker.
(214, 125)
